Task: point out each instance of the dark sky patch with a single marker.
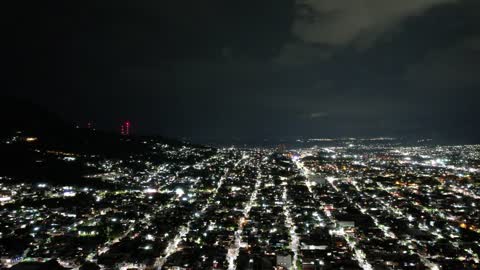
(251, 69)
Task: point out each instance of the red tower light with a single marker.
(125, 128)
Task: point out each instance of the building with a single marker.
(284, 260)
(319, 180)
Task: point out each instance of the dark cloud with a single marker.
(298, 54)
(455, 68)
(251, 68)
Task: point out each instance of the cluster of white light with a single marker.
(234, 252)
(398, 213)
(294, 239)
(150, 190)
(358, 253)
(184, 230)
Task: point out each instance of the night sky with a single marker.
(251, 69)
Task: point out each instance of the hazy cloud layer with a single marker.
(318, 114)
(343, 22)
